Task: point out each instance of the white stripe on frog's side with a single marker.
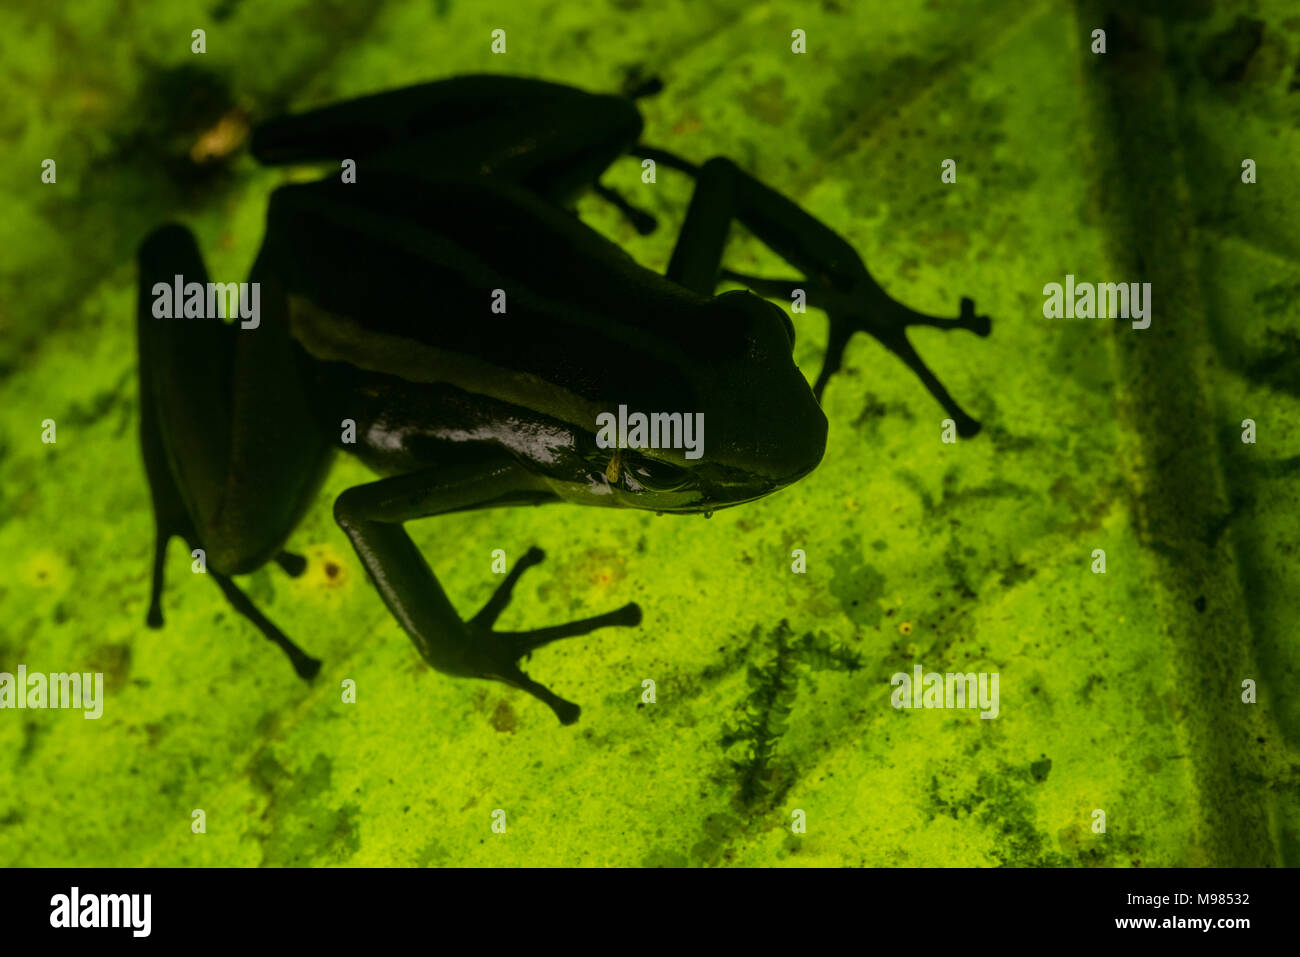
(334, 338)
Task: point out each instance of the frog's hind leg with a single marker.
(555, 140)
(170, 516)
(193, 380)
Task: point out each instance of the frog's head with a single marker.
(749, 426)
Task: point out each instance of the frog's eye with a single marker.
(656, 476)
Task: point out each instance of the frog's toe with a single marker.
(508, 647)
(304, 664)
(642, 221)
(980, 325)
(498, 651)
(566, 711)
(292, 564)
(524, 643)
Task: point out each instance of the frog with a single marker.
(445, 316)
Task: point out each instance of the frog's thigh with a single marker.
(229, 416)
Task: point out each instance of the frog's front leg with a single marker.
(372, 516)
(835, 278)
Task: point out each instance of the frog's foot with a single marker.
(505, 648)
(867, 308)
(888, 323)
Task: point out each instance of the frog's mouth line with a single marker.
(708, 508)
(710, 486)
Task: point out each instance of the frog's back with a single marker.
(402, 278)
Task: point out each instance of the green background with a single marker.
(1119, 692)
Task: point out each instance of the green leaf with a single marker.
(1119, 692)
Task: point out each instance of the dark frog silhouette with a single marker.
(441, 314)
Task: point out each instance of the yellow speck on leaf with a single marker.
(43, 569)
(326, 569)
(222, 140)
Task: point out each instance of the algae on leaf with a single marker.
(1120, 692)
